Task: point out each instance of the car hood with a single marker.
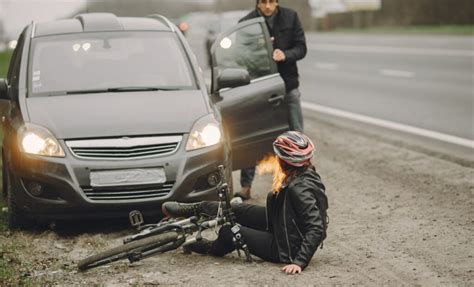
(117, 114)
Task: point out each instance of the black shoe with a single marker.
(241, 195)
(178, 209)
(202, 246)
(244, 193)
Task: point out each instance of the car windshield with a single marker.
(108, 62)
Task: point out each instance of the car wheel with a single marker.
(16, 218)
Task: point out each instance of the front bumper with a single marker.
(65, 182)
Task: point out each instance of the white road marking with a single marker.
(391, 50)
(390, 125)
(327, 66)
(397, 73)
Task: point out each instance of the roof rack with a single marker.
(163, 19)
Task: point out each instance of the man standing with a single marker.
(289, 46)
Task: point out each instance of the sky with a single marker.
(16, 14)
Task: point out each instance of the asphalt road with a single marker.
(421, 81)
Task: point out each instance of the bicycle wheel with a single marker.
(123, 251)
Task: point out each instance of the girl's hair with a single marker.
(284, 172)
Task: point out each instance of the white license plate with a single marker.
(127, 177)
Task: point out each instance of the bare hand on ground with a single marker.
(291, 269)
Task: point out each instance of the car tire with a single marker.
(16, 219)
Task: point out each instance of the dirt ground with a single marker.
(397, 217)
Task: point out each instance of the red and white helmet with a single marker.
(294, 148)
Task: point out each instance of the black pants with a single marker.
(246, 176)
(252, 219)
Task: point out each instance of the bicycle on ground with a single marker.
(170, 233)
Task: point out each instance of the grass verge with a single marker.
(12, 271)
(10, 267)
(4, 62)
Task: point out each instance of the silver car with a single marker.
(111, 114)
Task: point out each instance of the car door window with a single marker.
(245, 48)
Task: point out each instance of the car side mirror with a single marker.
(3, 90)
(231, 78)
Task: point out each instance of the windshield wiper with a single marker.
(86, 92)
(121, 89)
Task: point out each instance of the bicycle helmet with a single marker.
(294, 148)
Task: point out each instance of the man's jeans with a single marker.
(246, 176)
(295, 115)
(295, 120)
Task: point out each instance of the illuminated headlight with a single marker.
(205, 132)
(37, 140)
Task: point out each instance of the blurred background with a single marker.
(408, 62)
(430, 16)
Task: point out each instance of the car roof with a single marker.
(102, 22)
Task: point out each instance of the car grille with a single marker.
(128, 192)
(124, 148)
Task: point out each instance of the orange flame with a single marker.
(270, 164)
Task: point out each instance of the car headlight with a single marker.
(34, 139)
(205, 132)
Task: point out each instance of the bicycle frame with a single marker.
(188, 226)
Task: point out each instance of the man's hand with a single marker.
(278, 55)
(291, 269)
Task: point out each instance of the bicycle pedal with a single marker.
(136, 218)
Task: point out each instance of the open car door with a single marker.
(248, 90)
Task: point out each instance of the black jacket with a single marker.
(288, 37)
(294, 218)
